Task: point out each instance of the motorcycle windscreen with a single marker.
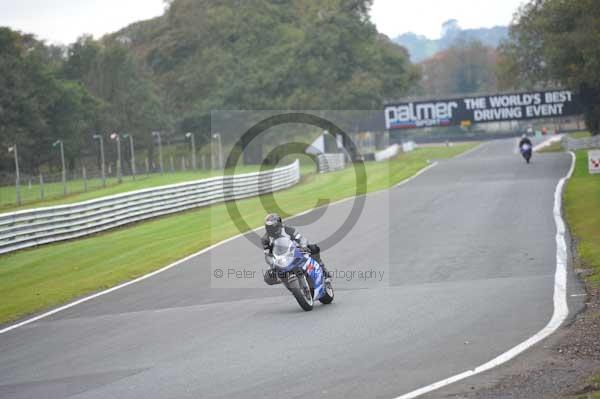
(284, 252)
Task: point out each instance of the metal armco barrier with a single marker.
(580, 144)
(40, 226)
(331, 162)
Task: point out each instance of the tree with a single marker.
(36, 107)
(555, 42)
(127, 99)
(269, 54)
(465, 68)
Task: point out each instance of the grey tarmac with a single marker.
(468, 255)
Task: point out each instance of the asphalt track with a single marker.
(467, 253)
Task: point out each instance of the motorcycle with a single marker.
(300, 274)
(526, 152)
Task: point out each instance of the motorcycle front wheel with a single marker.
(302, 292)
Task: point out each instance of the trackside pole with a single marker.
(85, 185)
(41, 187)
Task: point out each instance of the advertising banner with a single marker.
(466, 111)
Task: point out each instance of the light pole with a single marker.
(190, 135)
(130, 137)
(99, 138)
(220, 149)
(18, 178)
(62, 161)
(117, 138)
(160, 157)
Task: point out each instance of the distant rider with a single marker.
(275, 229)
(526, 148)
(525, 140)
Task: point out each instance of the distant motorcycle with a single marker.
(302, 275)
(526, 152)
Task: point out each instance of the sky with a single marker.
(425, 17)
(63, 21)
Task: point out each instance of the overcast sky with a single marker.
(62, 21)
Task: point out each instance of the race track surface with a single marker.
(468, 255)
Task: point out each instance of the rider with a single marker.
(525, 140)
(275, 229)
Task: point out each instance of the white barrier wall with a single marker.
(331, 162)
(388, 153)
(579, 144)
(408, 146)
(39, 226)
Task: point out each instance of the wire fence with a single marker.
(32, 188)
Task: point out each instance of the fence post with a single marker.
(147, 166)
(41, 187)
(18, 176)
(172, 164)
(85, 187)
(183, 164)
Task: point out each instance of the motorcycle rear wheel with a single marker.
(329, 294)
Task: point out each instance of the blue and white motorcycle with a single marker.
(526, 152)
(300, 273)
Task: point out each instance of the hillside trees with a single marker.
(465, 68)
(37, 106)
(169, 72)
(269, 54)
(130, 101)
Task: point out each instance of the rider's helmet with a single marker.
(273, 224)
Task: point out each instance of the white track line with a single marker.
(108, 291)
(419, 173)
(172, 265)
(547, 143)
(561, 309)
(472, 150)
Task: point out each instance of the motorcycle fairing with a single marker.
(315, 272)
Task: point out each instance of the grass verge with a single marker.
(594, 383)
(580, 135)
(45, 277)
(582, 209)
(554, 147)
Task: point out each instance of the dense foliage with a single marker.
(36, 105)
(261, 54)
(555, 42)
(168, 73)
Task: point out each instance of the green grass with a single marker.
(53, 192)
(580, 135)
(554, 147)
(595, 382)
(557, 146)
(41, 278)
(582, 209)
